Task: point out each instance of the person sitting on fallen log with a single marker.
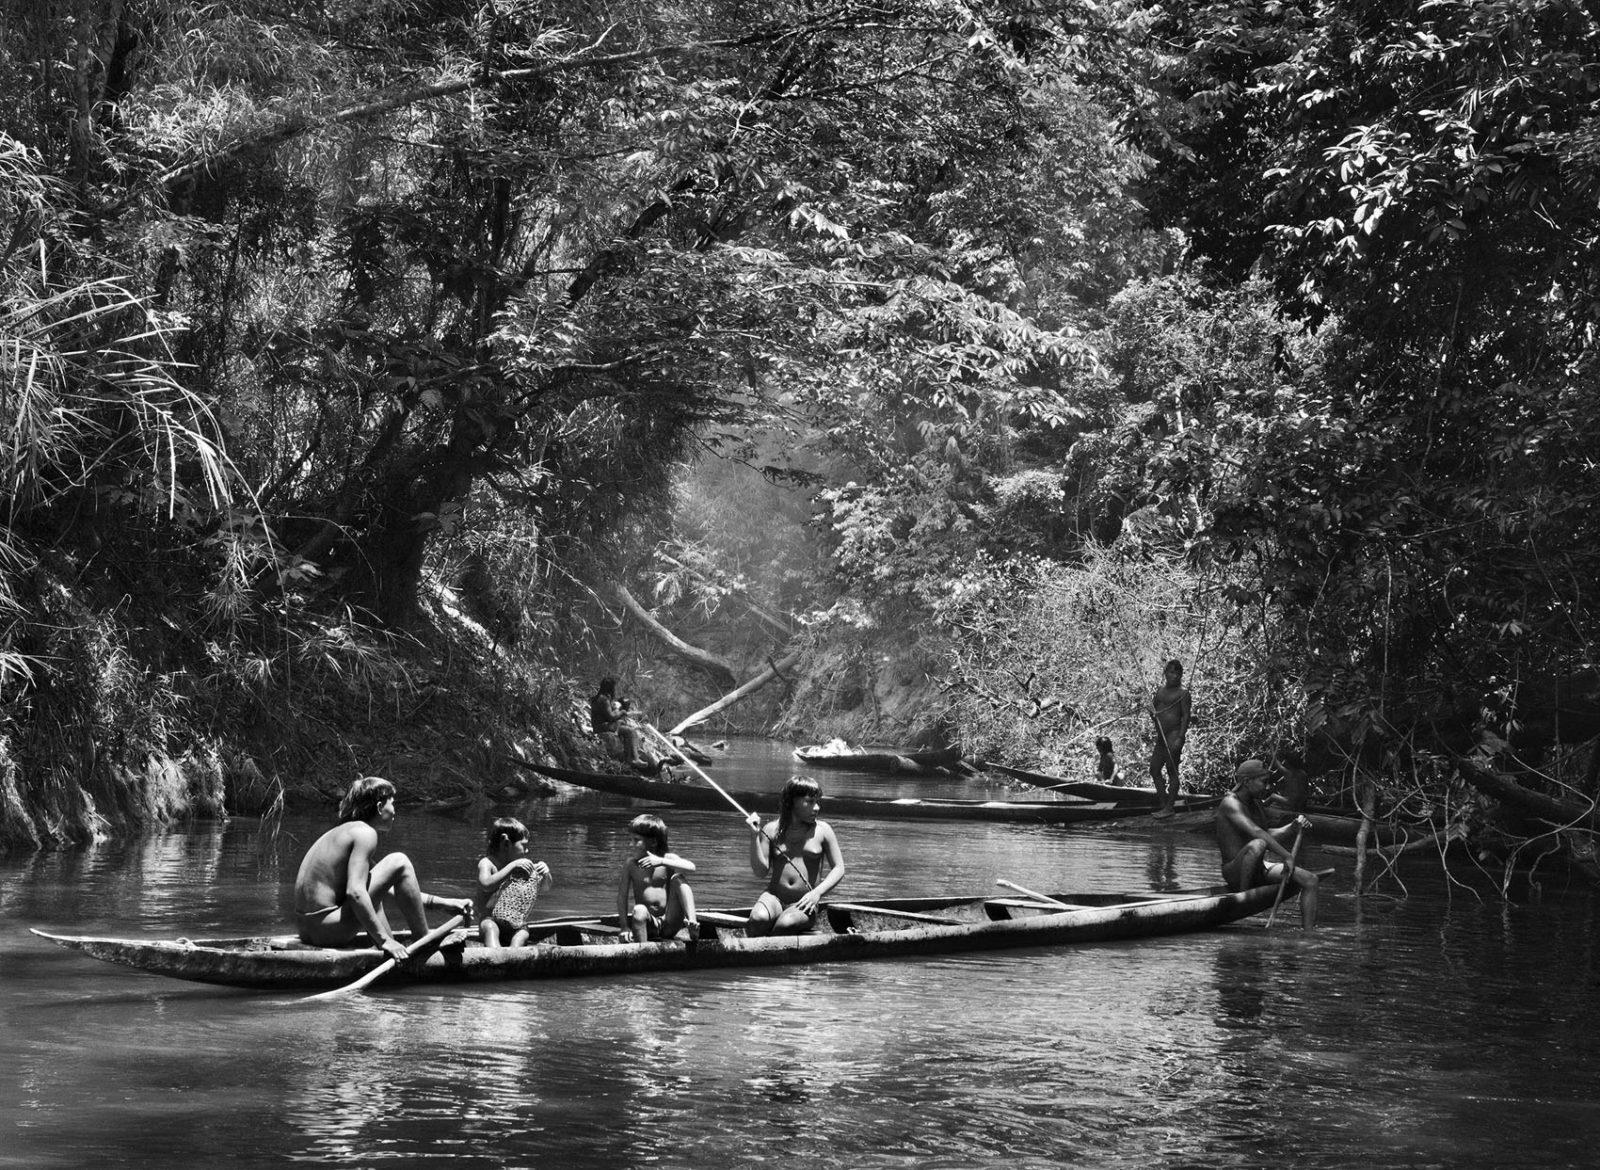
(611, 721)
(338, 891)
(1253, 855)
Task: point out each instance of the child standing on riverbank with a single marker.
(509, 884)
(653, 900)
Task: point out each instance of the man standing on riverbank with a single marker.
(1246, 846)
(1170, 708)
(338, 890)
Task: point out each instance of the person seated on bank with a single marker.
(1253, 855)
(338, 891)
(613, 724)
(509, 885)
(789, 853)
(654, 901)
(1107, 767)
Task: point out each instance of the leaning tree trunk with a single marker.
(704, 659)
(774, 670)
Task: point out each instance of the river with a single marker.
(1434, 1025)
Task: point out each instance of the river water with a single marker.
(1443, 1028)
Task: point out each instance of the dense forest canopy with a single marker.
(849, 333)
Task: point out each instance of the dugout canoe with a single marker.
(877, 929)
(1095, 790)
(694, 794)
(882, 760)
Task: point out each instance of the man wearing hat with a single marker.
(1253, 855)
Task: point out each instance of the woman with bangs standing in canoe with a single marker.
(789, 853)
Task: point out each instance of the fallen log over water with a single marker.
(1567, 813)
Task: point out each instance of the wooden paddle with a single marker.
(1287, 873)
(383, 968)
(1036, 897)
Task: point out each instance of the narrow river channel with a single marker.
(1443, 1028)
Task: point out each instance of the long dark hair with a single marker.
(365, 798)
(797, 787)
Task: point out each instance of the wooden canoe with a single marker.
(694, 794)
(877, 929)
(883, 760)
(1095, 790)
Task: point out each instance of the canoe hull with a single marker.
(593, 949)
(702, 796)
(1095, 790)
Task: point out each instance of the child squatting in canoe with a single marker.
(653, 899)
(509, 884)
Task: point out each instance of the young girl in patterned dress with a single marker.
(509, 884)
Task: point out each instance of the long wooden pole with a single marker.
(698, 771)
(383, 968)
(673, 748)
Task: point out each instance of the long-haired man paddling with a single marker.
(1253, 855)
(338, 890)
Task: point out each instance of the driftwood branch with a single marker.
(702, 658)
(774, 670)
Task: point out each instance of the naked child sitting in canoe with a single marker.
(338, 890)
(789, 853)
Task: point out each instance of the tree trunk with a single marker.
(773, 671)
(704, 659)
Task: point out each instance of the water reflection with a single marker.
(1161, 868)
(1438, 1030)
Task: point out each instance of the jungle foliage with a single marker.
(353, 354)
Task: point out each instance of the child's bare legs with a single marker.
(489, 932)
(639, 922)
(680, 909)
(519, 938)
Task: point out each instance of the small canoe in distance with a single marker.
(876, 929)
(882, 760)
(694, 794)
(1095, 790)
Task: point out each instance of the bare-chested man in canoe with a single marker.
(1253, 855)
(341, 883)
